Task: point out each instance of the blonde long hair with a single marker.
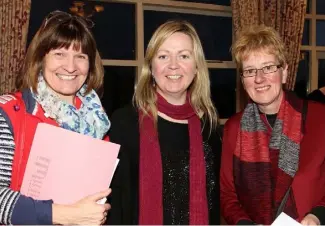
(200, 96)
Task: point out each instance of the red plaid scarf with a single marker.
(265, 162)
(151, 181)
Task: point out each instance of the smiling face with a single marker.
(174, 67)
(65, 71)
(264, 89)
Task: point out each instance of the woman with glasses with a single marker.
(273, 157)
(57, 85)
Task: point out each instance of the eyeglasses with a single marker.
(266, 70)
(61, 16)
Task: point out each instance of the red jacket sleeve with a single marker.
(230, 207)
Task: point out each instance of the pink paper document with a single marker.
(66, 166)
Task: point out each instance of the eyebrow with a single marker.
(269, 62)
(263, 64)
(183, 50)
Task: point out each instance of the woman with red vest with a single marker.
(58, 82)
(273, 155)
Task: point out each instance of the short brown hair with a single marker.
(256, 38)
(58, 30)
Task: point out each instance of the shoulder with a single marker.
(315, 93)
(123, 120)
(17, 101)
(233, 122)
(8, 101)
(124, 115)
(315, 112)
(10, 104)
(9, 109)
(125, 131)
(316, 108)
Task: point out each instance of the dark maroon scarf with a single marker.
(151, 181)
(265, 161)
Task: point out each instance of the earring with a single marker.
(153, 81)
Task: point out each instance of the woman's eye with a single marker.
(162, 57)
(82, 57)
(58, 54)
(185, 56)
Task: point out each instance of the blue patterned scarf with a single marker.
(90, 119)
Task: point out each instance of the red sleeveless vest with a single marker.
(24, 126)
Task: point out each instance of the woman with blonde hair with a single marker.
(273, 157)
(170, 151)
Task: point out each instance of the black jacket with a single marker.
(125, 185)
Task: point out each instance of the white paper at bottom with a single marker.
(285, 220)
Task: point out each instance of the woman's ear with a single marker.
(284, 73)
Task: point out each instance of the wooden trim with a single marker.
(313, 69)
(320, 55)
(177, 4)
(310, 48)
(202, 12)
(306, 48)
(316, 16)
(221, 64)
(139, 36)
(124, 63)
(320, 48)
(319, 17)
(188, 5)
(308, 16)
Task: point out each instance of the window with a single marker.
(320, 7)
(122, 32)
(305, 36)
(118, 87)
(320, 32)
(302, 75)
(215, 45)
(211, 18)
(223, 91)
(321, 69)
(313, 48)
(115, 34)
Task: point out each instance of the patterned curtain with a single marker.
(286, 16)
(14, 20)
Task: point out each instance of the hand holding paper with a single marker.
(310, 219)
(86, 211)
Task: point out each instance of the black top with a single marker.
(174, 146)
(271, 119)
(317, 95)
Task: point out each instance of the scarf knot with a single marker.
(180, 112)
(90, 119)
